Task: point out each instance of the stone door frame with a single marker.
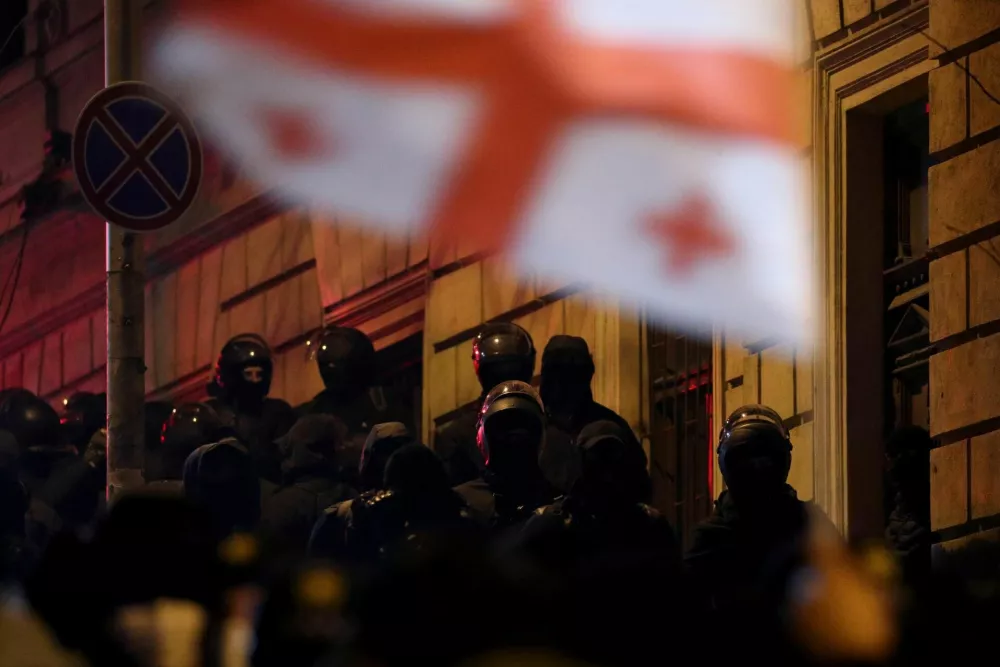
(846, 75)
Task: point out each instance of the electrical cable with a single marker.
(15, 273)
(13, 32)
(959, 65)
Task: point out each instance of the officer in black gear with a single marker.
(239, 391)
(347, 364)
(510, 434)
(567, 371)
(84, 414)
(501, 352)
(757, 520)
(189, 427)
(606, 548)
(35, 425)
(414, 507)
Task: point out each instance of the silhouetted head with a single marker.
(383, 441)
(30, 419)
(567, 370)
(345, 358)
(415, 470)
(613, 465)
(243, 370)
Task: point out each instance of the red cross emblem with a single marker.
(294, 136)
(692, 234)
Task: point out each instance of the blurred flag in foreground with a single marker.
(645, 147)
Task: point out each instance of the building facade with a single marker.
(901, 140)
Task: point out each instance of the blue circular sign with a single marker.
(137, 157)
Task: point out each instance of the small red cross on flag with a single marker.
(691, 234)
(452, 117)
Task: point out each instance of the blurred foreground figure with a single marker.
(610, 551)
(510, 434)
(346, 361)
(502, 352)
(756, 520)
(239, 389)
(567, 371)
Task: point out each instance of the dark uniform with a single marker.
(239, 390)
(758, 521)
(510, 433)
(567, 371)
(501, 352)
(347, 364)
(609, 550)
(416, 507)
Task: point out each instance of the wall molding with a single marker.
(379, 299)
(833, 97)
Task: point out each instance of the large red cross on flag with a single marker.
(554, 129)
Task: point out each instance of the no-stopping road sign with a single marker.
(137, 157)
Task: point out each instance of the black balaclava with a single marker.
(755, 455)
(346, 361)
(383, 441)
(613, 466)
(511, 430)
(503, 352)
(567, 370)
(243, 371)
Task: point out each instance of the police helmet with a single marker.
(245, 362)
(503, 351)
(512, 406)
(32, 421)
(754, 431)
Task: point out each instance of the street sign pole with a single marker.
(125, 284)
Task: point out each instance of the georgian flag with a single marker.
(642, 146)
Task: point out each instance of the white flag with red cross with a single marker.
(645, 147)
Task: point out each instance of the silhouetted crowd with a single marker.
(330, 535)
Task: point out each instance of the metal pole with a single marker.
(125, 284)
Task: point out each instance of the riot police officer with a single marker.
(758, 517)
(509, 435)
(347, 365)
(239, 391)
(567, 371)
(189, 427)
(501, 352)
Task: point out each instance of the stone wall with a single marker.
(965, 272)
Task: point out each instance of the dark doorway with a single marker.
(681, 435)
(400, 374)
(13, 17)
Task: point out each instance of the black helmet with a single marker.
(189, 427)
(29, 418)
(84, 414)
(755, 432)
(510, 407)
(503, 351)
(346, 359)
(244, 368)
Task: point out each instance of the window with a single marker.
(682, 435)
